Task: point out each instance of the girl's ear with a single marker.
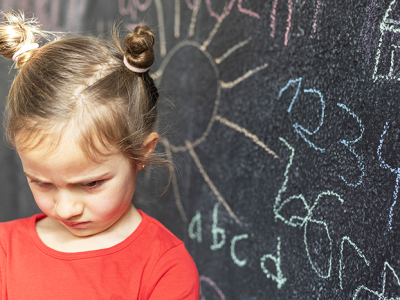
(150, 144)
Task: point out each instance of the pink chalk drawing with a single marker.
(317, 12)
(289, 21)
(192, 5)
(132, 7)
(213, 285)
(246, 11)
(273, 18)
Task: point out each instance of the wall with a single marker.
(284, 132)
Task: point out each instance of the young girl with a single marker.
(81, 114)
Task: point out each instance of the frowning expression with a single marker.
(85, 196)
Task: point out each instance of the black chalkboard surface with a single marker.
(285, 132)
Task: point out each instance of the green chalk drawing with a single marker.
(341, 264)
(278, 278)
(196, 222)
(235, 259)
(215, 230)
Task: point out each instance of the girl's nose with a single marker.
(67, 205)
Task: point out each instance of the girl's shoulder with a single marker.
(19, 226)
(156, 233)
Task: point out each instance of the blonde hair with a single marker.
(80, 85)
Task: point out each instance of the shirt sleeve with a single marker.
(175, 276)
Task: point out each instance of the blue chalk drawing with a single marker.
(393, 170)
(303, 221)
(349, 145)
(299, 128)
(278, 278)
(298, 81)
(341, 264)
(381, 296)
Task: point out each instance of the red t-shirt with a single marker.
(150, 264)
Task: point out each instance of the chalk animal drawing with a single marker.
(304, 221)
(393, 170)
(380, 295)
(388, 52)
(305, 134)
(190, 145)
(278, 278)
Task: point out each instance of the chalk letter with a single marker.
(215, 230)
(278, 278)
(196, 221)
(236, 238)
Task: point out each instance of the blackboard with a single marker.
(284, 131)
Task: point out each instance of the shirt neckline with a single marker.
(85, 254)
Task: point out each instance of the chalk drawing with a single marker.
(196, 222)
(229, 85)
(348, 144)
(341, 264)
(158, 75)
(132, 6)
(210, 184)
(177, 24)
(303, 221)
(213, 285)
(299, 128)
(161, 29)
(194, 17)
(278, 278)
(174, 181)
(214, 30)
(273, 18)
(381, 296)
(236, 260)
(246, 11)
(393, 170)
(317, 12)
(216, 231)
(289, 21)
(231, 50)
(190, 5)
(388, 30)
(254, 138)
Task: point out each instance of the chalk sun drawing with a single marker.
(388, 53)
(200, 48)
(381, 295)
(307, 219)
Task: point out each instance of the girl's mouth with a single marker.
(75, 224)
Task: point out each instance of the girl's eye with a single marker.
(40, 183)
(94, 184)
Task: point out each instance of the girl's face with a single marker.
(84, 196)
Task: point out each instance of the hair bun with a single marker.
(139, 47)
(15, 32)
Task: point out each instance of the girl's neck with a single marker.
(56, 236)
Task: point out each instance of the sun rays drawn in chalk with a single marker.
(190, 143)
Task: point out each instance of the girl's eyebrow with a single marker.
(79, 181)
